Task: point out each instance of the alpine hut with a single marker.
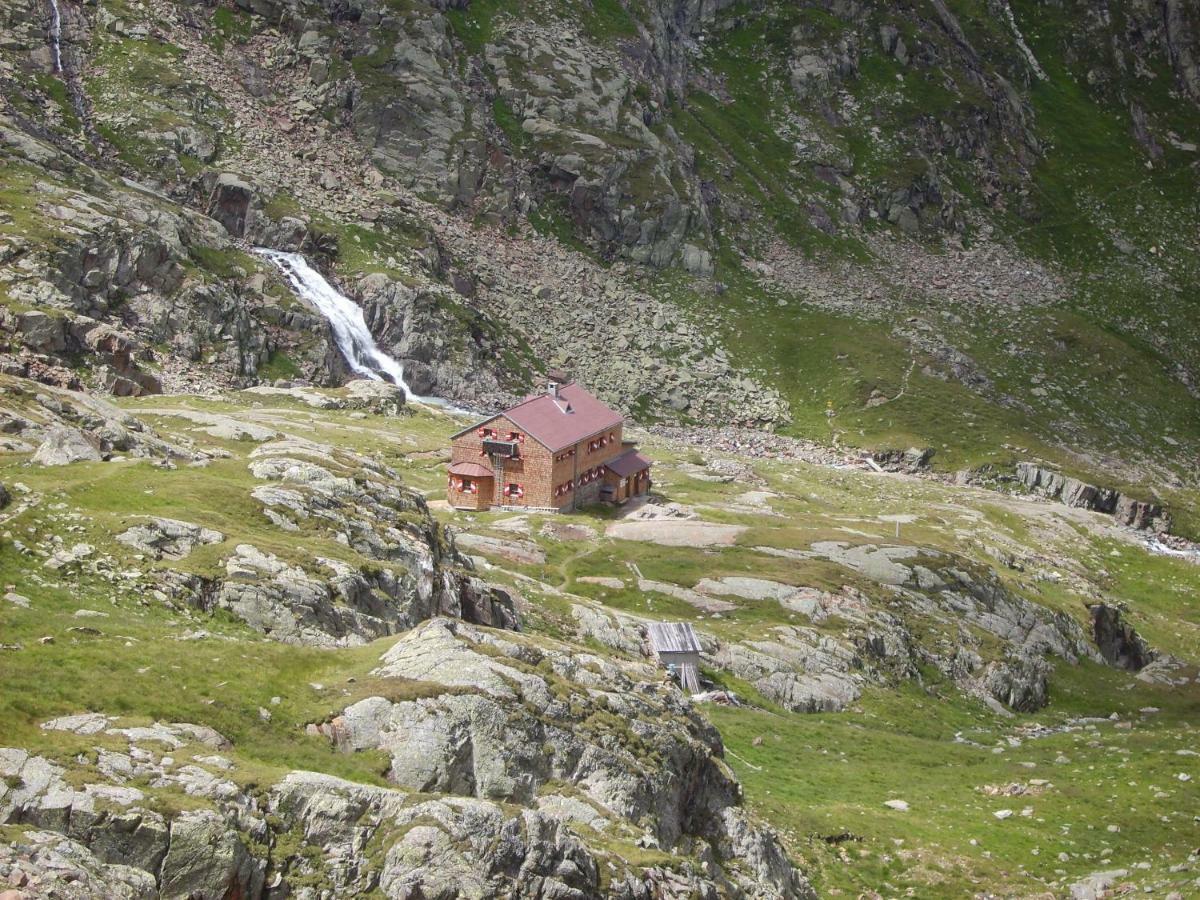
(554, 451)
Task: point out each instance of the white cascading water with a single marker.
(1154, 545)
(56, 35)
(345, 319)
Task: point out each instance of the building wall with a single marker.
(678, 659)
(465, 500)
(570, 468)
(538, 471)
(532, 470)
(633, 486)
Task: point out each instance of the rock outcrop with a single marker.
(413, 570)
(581, 738)
(592, 759)
(1119, 642)
(168, 538)
(64, 445)
(1126, 510)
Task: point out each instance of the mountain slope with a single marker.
(248, 628)
(884, 211)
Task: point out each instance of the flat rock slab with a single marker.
(676, 532)
(514, 551)
(817, 605)
(308, 397)
(747, 588)
(568, 531)
(233, 430)
(512, 525)
(702, 602)
(219, 426)
(614, 583)
(880, 564)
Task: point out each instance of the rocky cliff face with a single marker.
(668, 199)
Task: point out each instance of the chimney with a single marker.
(552, 389)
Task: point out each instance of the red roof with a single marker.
(562, 421)
(471, 470)
(628, 463)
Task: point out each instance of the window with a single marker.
(514, 490)
(591, 475)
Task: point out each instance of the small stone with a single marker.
(1002, 813)
(899, 805)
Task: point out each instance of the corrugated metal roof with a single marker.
(673, 637)
(628, 463)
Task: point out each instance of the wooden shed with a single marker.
(678, 649)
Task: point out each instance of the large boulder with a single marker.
(230, 203)
(64, 445)
(1138, 514)
(41, 331)
(208, 861)
(168, 537)
(1119, 642)
(381, 397)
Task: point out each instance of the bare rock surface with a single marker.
(170, 538)
(64, 445)
(676, 533)
(473, 742)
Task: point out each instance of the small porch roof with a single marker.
(471, 470)
(628, 463)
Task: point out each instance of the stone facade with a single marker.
(537, 479)
(553, 451)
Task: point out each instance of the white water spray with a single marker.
(345, 318)
(56, 35)
(1155, 545)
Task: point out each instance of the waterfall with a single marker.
(345, 318)
(56, 35)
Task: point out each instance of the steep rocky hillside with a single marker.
(950, 224)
